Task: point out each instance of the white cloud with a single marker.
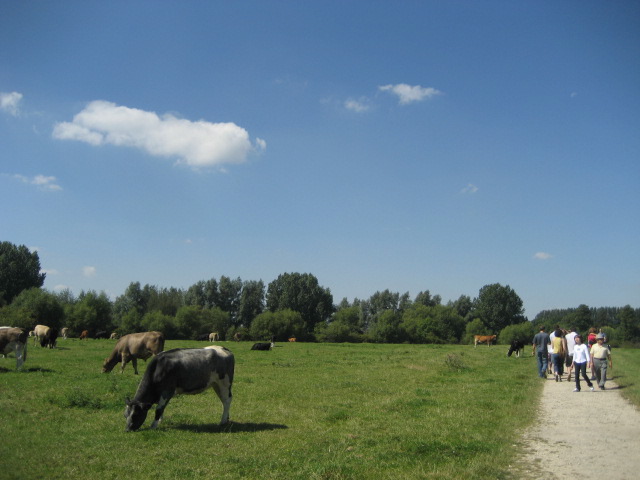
(410, 93)
(42, 182)
(9, 102)
(60, 288)
(89, 271)
(198, 144)
(358, 106)
(470, 188)
(542, 256)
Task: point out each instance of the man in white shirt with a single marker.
(571, 342)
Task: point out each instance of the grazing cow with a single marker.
(214, 337)
(65, 333)
(181, 370)
(237, 337)
(84, 335)
(113, 336)
(47, 336)
(101, 334)
(14, 340)
(133, 346)
(292, 339)
(488, 339)
(516, 346)
(203, 337)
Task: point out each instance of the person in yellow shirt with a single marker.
(600, 356)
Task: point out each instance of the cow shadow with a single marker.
(231, 427)
(26, 370)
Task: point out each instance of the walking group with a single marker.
(565, 348)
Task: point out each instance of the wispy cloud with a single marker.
(359, 106)
(43, 182)
(410, 93)
(10, 102)
(470, 189)
(542, 256)
(89, 271)
(196, 143)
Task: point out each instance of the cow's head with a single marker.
(135, 414)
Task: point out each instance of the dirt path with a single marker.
(584, 435)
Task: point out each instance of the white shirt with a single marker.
(571, 341)
(581, 353)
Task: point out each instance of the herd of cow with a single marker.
(171, 372)
(176, 371)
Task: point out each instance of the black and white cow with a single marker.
(14, 340)
(181, 370)
(515, 347)
(264, 345)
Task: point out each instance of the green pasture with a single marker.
(300, 411)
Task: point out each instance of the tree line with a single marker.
(293, 305)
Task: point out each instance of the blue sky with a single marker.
(401, 145)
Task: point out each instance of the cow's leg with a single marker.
(165, 396)
(20, 355)
(134, 362)
(223, 390)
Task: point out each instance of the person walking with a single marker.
(600, 354)
(557, 353)
(540, 342)
(580, 359)
(571, 342)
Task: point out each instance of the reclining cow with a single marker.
(181, 370)
(133, 346)
(14, 340)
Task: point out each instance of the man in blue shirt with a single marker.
(540, 342)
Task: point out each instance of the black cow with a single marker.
(516, 346)
(262, 346)
(181, 370)
(102, 334)
(203, 337)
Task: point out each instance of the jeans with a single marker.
(581, 369)
(600, 366)
(542, 363)
(557, 362)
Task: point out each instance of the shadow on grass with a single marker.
(232, 427)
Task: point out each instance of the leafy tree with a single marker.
(522, 331)
(425, 298)
(190, 322)
(581, 319)
(498, 307)
(387, 329)
(251, 302)
(19, 270)
(300, 293)
(214, 320)
(475, 327)
(435, 324)
(36, 306)
(281, 324)
(229, 292)
(134, 298)
(159, 322)
(344, 327)
(629, 324)
(463, 305)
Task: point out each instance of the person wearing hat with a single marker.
(600, 355)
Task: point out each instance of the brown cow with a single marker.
(14, 340)
(292, 339)
(84, 335)
(488, 339)
(133, 346)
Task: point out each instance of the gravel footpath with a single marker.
(585, 435)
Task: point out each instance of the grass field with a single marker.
(300, 411)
